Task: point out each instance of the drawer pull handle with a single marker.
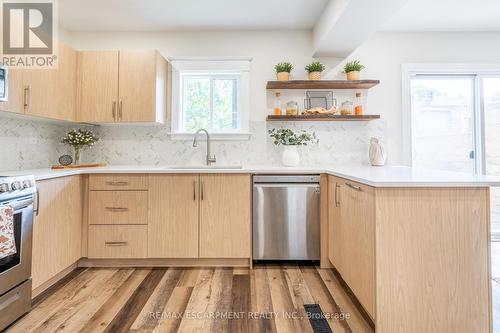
(116, 243)
(357, 188)
(117, 209)
(117, 183)
(337, 195)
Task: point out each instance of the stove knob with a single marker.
(27, 184)
(4, 188)
(16, 186)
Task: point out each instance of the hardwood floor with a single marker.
(266, 299)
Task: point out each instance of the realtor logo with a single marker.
(28, 34)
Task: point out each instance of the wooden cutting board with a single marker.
(94, 165)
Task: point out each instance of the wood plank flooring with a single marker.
(268, 298)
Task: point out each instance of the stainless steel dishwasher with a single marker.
(286, 216)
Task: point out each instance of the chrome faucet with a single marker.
(210, 159)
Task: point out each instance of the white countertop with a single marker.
(387, 176)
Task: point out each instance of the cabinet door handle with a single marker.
(26, 97)
(116, 243)
(120, 108)
(114, 110)
(337, 196)
(117, 183)
(117, 209)
(354, 187)
(194, 190)
(202, 192)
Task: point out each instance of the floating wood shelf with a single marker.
(324, 117)
(322, 84)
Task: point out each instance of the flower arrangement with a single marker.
(79, 139)
(288, 137)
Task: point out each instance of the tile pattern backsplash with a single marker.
(28, 144)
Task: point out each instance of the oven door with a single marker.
(4, 83)
(16, 268)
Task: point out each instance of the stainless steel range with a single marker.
(15, 269)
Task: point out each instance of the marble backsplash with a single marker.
(28, 144)
(339, 143)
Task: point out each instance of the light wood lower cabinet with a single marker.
(173, 216)
(412, 256)
(225, 216)
(118, 207)
(117, 241)
(57, 230)
(199, 216)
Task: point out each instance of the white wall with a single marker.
(384, 53)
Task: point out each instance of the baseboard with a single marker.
(166, 262)
(53, 281)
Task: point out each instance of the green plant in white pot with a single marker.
(79, 139)
(314, 69)
(352, 69)
(283, 70)
(290, 140)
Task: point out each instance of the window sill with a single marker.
(213, 136)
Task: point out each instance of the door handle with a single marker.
(202, 191)
(120, 107)
(337, 196)
(115, 243)
(117, 209)
(114, 110)
(26, 97)
(354, 187)
(194, 190)
(117, 183)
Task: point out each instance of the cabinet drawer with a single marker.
(117, 241)
(118, 207)
(118, 182)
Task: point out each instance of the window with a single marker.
(210, 94)
(452, 121)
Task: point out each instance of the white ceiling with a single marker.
(161, 15)
(446, 15)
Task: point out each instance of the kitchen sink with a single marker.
(198, 167)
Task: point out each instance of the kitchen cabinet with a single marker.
(401, 249)
(51, 93)
(118, 207)
(225, 216)
(200, 216)
(173, 216)
(46, 93)
(352, 230)
(117, 242)
(122, 86)
(57, 229)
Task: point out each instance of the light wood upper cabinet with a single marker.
(225, 216)
(173, 216)
(122, 86)
(97, 89)
(57, 230)
(47, 93)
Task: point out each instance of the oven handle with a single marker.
(18, 205)
(37, 209)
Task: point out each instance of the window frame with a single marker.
(226, 67)
(477, 71)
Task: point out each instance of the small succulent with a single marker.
(315, 66)
(353, 66)
(287, 137)
(283, 66)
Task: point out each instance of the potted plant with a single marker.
(314, 69)
(79, 139)
(290, 140)
(352, 69)
(283, 70)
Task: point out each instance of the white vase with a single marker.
(378, 154)
(290, 156)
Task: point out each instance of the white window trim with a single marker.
(412, 69)
(240, 66)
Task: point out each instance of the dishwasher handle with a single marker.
(293, 185)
